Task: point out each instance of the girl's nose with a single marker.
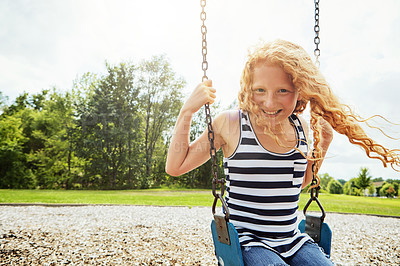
(269, 102)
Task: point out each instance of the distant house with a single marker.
(376, 185)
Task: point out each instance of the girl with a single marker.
(265, 149)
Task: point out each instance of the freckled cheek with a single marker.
(285, 101)
(257, 99)
(292, 101)
(289, 101)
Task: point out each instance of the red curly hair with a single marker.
(315, 91)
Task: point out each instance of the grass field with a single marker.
(190, 198)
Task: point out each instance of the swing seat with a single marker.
(324, 238)
(227, 254)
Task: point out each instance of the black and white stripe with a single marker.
(263, 191)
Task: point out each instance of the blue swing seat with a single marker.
(325, 237)
(227, 255)
(232, 254)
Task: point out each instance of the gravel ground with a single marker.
(143, 235)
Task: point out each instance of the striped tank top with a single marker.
(263, 191)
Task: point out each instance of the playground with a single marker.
(92, 139)
(149, 235)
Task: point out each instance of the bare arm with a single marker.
(182, 155)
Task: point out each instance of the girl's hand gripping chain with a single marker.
(202, 94)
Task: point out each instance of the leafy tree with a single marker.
(20, 103)
(377, 179)
(110, 132)
(396, 184)
(388, 190)
(79, 132)
(350, 188)
(52, 158)
(160, 102)
(3, 101)
(342, 181)
(364, 179)
(13, 162)
(37, 101)
(378, 189)
(371, 189)
(334, 187)
(110, 129)
(325, 179)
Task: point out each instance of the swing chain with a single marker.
(314, 191)
(213, 155)
(203, 17)
(213, 150)
(317, 52)
(314, 181)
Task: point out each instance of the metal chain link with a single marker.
(317, 52)
(203, 17)
(213, 151)
(315, 187)
(314, 190)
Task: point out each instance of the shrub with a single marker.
(371, 189)
(387, 190)
(334, 187)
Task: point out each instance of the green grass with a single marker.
(167, 197)
(354, 204)
(161, 197)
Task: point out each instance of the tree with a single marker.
(79, 132)
(388, 190)
(13, 161)
(160, 102)
(51, 157)
(377, 179)
(3, 101)
(110, 129)
(17, 150)
(111, 132)
(371, 190)
(396, 185)
(334, 187)
(325, 179)
(37, 101)
(364, 179)
(20, 103)
(350, 188)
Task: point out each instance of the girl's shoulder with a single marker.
(227, 129)
(228, 116)
(227, 121)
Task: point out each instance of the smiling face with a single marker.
(274, 93)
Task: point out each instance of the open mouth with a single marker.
(272, 113)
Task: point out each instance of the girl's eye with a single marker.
(259, 90)
(283, 90)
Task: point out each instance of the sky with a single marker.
(50, 43)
